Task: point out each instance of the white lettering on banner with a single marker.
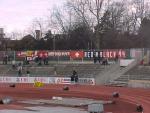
(96, 54)
(101, 54)
(105, 54)
(88, 54)
(58, 53)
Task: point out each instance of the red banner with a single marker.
(21, 54)
(42, 54)
(76, 54)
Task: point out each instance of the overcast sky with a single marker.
(18, 14)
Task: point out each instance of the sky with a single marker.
(17, 15)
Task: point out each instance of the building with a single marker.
(38, 34)
(2, 34)
(3, 40)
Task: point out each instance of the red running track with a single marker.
(129, 97)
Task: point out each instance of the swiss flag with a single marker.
(21, 54)
(76, 54)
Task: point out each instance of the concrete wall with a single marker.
(139, 83)
(125, 62)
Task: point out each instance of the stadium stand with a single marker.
(62, 70)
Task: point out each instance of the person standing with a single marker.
(94, 58)
(76, 78)
(73, 77)
(28, 73)
(19, 69)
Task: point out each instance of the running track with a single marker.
(128, 95)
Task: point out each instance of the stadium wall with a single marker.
(139, 83)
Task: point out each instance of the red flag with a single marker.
(76, 54)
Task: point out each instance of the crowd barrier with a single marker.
(46, 80)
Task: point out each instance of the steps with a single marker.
(83, 70)
(115, 75)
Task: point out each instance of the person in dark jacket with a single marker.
(95, 59)
(76, 78)
(73, 76)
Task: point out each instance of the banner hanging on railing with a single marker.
(76, 54)
(25, 79)
(63, 80)
(106, 53)
(46, 80)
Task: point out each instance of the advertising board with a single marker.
(87, 81)
(46, 80)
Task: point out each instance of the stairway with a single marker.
(110, 76)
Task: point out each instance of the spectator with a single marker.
(55, 70)
(47, 61)
(44, 60)
(40, 61)
(72, 79)
(105, 61)
(26, 61)
(28, 73)
(116, 58)
(19, 69)
(13, 64)
(73, 76)
(5, 59)
(94, 58)
(99, 59)
(76, 78)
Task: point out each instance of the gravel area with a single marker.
(45, 110)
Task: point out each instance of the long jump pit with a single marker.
(25, 98)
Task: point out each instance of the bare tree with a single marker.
(141, 10)
(80, 9)
(58, 20)
(38, 24)
(16, 35)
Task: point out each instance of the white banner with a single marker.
(46, 80)
(63, 80)
(26, 79)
